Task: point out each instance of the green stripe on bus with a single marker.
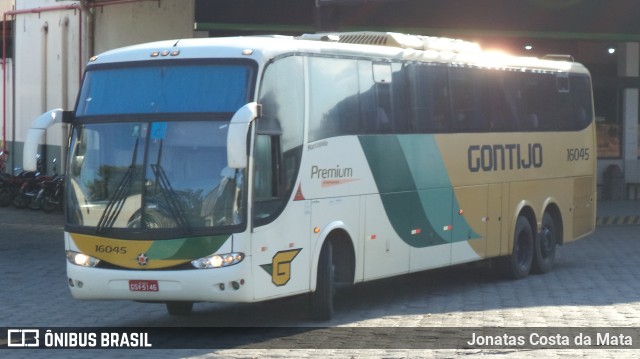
(414, 188)
(186, 248)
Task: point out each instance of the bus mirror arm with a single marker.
(237, 134)
(36, 133)
(67, 117)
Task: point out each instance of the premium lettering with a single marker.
(325, 173)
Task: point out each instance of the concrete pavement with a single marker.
(594, 284)
(618, 212)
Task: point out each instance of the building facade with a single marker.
(51, 43)
(47, 43)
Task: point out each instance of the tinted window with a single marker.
(334, 105)
(363, 97)
(279, 137)
(166, 88)
(429, 98)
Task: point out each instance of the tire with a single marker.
(545, 245)
(321, 301)
(19, 201)
(179, 308)
(518, 264)
(33, 204)
(46, 204)
(6, 196)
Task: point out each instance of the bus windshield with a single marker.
(148, 150)
(152, 175)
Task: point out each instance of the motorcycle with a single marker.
(51, 193)
(6, 195)
(30, 187)
(11, 186)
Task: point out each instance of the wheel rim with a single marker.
(547, 242)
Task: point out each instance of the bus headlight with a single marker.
(81, 259)
(218, 260)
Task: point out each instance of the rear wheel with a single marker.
(179, 308)
(545, 248)
(6, 196)
(33, 204)
(518, 264)
(47, 204)
(20, 201)
(322, 298)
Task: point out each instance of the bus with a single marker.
(246, 169)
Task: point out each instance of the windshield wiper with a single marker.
(169, 194)
(116, 202)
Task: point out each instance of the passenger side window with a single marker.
(468, 102)
(428, 98)
(334, 101)
(279, 136)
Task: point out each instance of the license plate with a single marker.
(143, 286)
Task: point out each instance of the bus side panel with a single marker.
(384, 252)
(494, 220)
(431, 253)
(330, 215)
(470, 224)
(584, 203)
(281, 253)
(540, 194)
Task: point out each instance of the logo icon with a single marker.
(280, 266)
(23, 338)
(143, 260)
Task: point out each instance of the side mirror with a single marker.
(35, 134)
(237, 134)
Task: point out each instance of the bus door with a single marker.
(281, 223)
(280, 240)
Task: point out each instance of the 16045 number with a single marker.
(101, 248)
(578, 154)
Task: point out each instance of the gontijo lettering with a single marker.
(501, 157)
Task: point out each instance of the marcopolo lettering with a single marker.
(512, 156)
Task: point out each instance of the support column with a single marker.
(629, 66)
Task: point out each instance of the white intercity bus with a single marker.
(251, 168)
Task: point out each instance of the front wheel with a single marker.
(322, 298)
(33, 204)
(6, 196)
(20, 201)
(47, 203)
(518, 264)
